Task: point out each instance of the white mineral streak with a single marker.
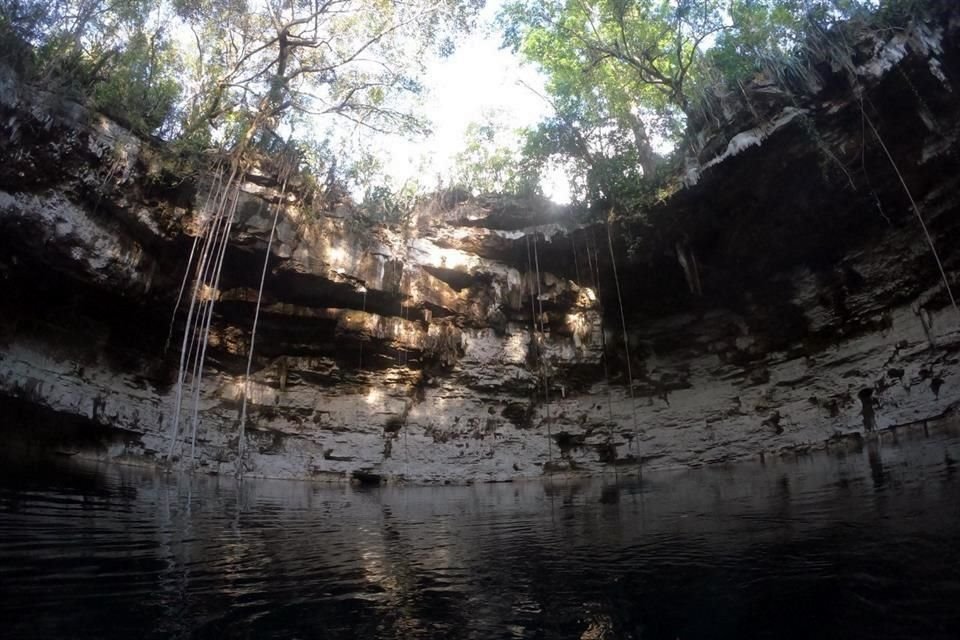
(754, 137)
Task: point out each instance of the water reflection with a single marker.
(854, 543)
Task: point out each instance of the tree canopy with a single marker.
(235, 72)
(624, 76)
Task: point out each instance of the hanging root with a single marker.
(205, 336)
(183, 287)
(626, 346)
(543, 365)
(594, 267)
(285, 172)
(218, 178)
(214, 236)
(916, 211)
(535, 340)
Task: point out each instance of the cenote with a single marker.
(290, 348)
(858, 541)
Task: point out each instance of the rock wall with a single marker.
(784, 297)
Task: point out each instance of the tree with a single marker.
(630, 60)
(279, 62)
(115, 53)
(765, 32)
(139, 89)
(625, 74)
(491, 159)
(250, 67)
(599, 154)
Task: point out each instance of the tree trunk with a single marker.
(646, 156)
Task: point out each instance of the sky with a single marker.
(479, 78)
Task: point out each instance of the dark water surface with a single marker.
(857, 544)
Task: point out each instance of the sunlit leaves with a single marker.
(244, 65)
(624, 76)
(116, 53)
(140, 87)
(491, 160)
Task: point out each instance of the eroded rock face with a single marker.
(785, 297)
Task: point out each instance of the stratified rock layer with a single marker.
(784, 297)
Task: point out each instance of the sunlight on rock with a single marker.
(337, 257)
(580, 326)
(446, 258)
(586, 297)
(374, 397)
(515, 348)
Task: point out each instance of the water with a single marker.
(856, 543)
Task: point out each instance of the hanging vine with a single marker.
(292, 61)
(626, 345)
(543, 363)
(288, 164)
(214, 237)
(594, 267)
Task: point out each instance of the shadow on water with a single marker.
(857, 542)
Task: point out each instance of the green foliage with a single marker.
(247, 68)
(113, 54)
(382, 204)
(380, 200)
(625, 77)
(618, 72)
(140, 89)
(600, 159)
(491, 160)
(18, 30)
(767, 33)
(288, 63)
(630, 54)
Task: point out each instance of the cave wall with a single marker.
(406, 351)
